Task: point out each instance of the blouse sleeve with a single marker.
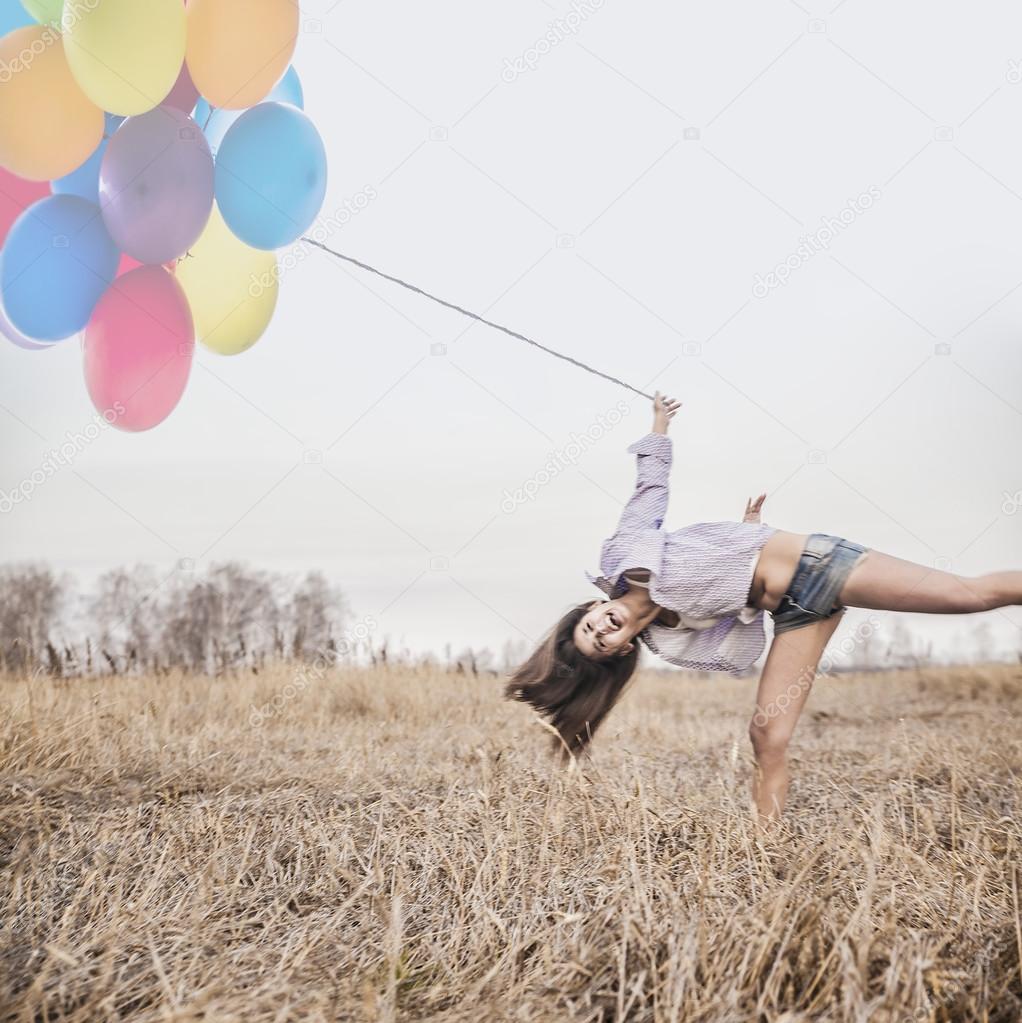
(647, 506)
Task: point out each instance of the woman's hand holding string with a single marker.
(664, 409)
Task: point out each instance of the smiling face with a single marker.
(606, 630)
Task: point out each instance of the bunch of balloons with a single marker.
(153, 155)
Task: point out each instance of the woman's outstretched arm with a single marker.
(647, 506)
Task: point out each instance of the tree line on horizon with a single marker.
(230, 617)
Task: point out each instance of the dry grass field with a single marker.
(397, 844)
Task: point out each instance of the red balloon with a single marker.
(138, 349)
(16, 195)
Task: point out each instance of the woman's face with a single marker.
(606, 630)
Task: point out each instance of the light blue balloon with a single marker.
(56, 263)
(85, 180)
(270, 175)
(214, 121)
(288, 90)
(12, 16)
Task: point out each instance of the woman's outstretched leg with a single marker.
(885, 583)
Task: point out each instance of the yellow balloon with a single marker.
(231, 288)
(239, 49)
(48, 126)
(125, 54)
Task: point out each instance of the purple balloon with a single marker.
(156, 185)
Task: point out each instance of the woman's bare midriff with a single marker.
(778, 560)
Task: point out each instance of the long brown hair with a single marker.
(573, 692)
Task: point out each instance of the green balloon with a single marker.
(46, 12)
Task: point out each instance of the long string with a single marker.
(473, 316)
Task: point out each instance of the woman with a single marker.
(696, 596)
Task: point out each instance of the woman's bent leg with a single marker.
(784, 686)
(885, 583)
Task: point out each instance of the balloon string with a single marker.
(473, 316)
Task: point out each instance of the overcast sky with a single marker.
(622, 193)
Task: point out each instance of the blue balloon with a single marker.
(214, 121)
(12, 16)
(85, 180)
(270, 175)
(56, 263)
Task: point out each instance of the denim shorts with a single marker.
(813, 592)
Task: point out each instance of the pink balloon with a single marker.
(16, 195)
(138, 349)
(183, 96)
(128, 263)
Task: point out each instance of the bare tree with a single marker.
(315, 616)
(475, 662)
(870, 648)
(513, 652)
(125, 615)
(486, 663)
(983, 645)
(901, 646)
(29, 614)
(216, 622)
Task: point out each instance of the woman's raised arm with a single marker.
(647, 506)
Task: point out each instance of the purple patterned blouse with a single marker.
(702, 572)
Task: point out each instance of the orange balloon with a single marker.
(48, 126)
(239, 49)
